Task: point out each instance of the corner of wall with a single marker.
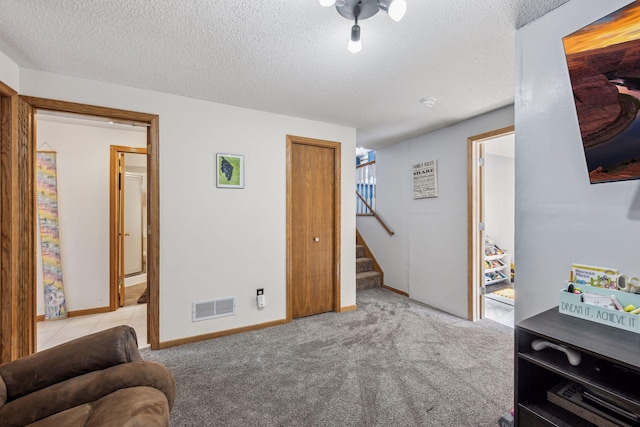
(9, 72)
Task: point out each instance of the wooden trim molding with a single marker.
(397, 291)
(78, 313)
(347, 308)
(8, 240)
(153, 233)
(336, 146)
(289, 231)
(88, 311)
(114, 150)
(367, 253)
(88, 110)
(18, 232)
(204, 337)
(7, 91)
(22, 248)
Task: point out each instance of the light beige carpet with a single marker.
(391, 362)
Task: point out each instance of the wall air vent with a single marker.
(203, 310)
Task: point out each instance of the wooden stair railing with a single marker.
(366, 186)
(375, 215)
(366, 181)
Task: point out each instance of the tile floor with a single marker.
(499, 311)
(54, 332)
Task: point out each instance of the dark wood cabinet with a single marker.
(609, 371)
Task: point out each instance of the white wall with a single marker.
(560, 217)
(9, 72)
(499, 201)
(427, 255)
(218, 242)
(82, 157)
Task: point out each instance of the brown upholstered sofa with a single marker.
(96, 380)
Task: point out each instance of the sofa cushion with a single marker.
(86, 389)
(129, 407)
(99, 351)
(74, 417)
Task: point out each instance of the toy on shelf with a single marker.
(490, 248)
(495, 265)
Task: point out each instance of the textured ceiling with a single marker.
(286, 56)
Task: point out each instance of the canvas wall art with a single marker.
(603, 59)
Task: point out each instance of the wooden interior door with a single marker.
(117, 223)
(312, 208)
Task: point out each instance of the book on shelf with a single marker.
(591, 407)
(592, 275)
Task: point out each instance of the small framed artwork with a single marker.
(229, 171)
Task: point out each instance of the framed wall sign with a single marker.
(229, 171)
(425, 179)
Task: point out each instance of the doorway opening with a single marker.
(491, 260)
(128, 226)
(77, 148)
(150, 123)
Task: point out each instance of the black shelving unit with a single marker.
(610, 368)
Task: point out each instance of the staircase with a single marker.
(366, 278)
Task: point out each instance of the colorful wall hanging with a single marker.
(47, 202)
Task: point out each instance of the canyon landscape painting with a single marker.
(604, 67)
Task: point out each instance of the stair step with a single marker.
(363, 264)
(368, 280)
(359, 251)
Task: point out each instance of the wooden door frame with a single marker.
(475, 196)
(114, 252)
(17, 272)
(336, 147)
(26, 143)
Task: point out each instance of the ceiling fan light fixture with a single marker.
(355, 45)
(396, 9)
(363, 9)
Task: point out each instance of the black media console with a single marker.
(602, 390)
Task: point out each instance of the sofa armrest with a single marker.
(86, 389)
(71, 359)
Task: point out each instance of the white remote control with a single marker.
(574, 356)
